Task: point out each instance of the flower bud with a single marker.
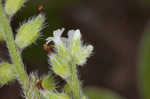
(60, 66)
(12, 6)
(29, 32)
(7, 73)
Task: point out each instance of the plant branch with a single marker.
(14, 53)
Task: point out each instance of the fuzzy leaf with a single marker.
(29, 32)
(7, 73)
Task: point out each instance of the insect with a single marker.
(41, 8)
(47, 48)
(39, 84)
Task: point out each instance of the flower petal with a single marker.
(58, 32)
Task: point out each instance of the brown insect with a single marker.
(47, 48)
(41, 8)
(39, 84)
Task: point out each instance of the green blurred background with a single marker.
(114, 27)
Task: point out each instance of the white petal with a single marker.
(77, 35)
(70, 34)
(58, 33)
(74, 34)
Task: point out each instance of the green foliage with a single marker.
(7, 73)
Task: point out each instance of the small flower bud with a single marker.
(60, 66)
(7, 73)
(12, 6)
(29, 32)
(48, 83)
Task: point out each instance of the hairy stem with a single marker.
(75, 83)
(14, 53)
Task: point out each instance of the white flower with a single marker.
(70, 49)
(57, 36)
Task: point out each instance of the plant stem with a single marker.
(75, 84)
(14, 53)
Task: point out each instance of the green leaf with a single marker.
(144, 65)
(29, 32)
(7, 73)
(95, 93)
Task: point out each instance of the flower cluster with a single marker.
(69, 51)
